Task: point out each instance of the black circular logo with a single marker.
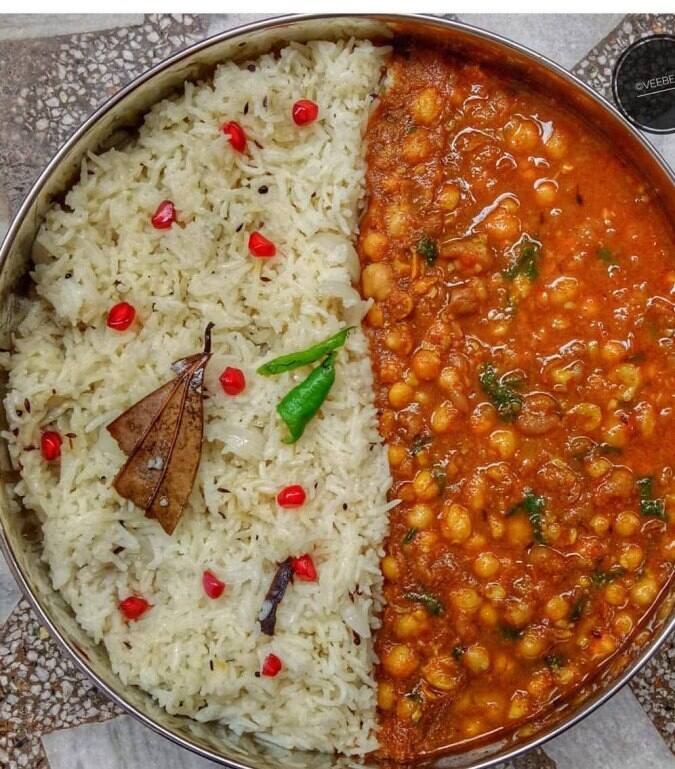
(644, 83)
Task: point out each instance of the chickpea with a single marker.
(645, 418)
(427, 106)
(417, 147)
(449, 379)
(644, 591)
(455, 523)
(420, 516)
(504, 442)
(442, 673)
(520, 706)
(426, 365)
(400, 661)
(545, 192)
(623, 623)
(487, 615)
(425, 486)
(612, 351)
(411, 625)
(490, 703)
(426, 541)
(400, 395)
(563, 290)
(396, 454)
(399, 340)
(486, 565)
(518, 531)
(397, 219)
(495, 592)
(378, 280)
(557, 608)
(501, 225)
(521, 135)
(531, 645)
(386, 697)
(400, 304)
(476, 658)
(408, 710)
(615, 432)
(466, 599)
(518, 613)
(390, 568)
(556, 146)
(475, 492)
(483, 418)
(598, 467)
(627, 523)
(615, 594)
(374, 245)
(449, 197)
(375, 316)
(602, 647)
(442, 417)
(631, 557)
(629, 377)
(540, 684)
(585, 416)
(600, 524)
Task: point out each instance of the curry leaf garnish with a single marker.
(299, 405)
(528, 255)
(601, 578)
(267, 617)
(510, 633)
(162, 436)
(533, 505)
(428, 249)
(502, 393)
(579, 607)
(554, 661)
(649, 506)
(606, 255)
(432, 604)
(303, 357)
(419, 443)
(409, 535)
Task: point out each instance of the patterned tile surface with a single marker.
(53, 72)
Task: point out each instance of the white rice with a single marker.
(78, 375)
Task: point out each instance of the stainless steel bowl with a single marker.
(111, 125)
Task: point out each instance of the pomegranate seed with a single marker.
(304, 569)
(236, 135)
(291, 496)
(50, 445)
(233, 381)
(133, 607)
(164, 216)
(271, 666)
(213, 587)
(259, 245)
(121, 316)
(305, 111)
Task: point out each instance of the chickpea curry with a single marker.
(521, 329)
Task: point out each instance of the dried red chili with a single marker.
(133, 607)
(233, 381)
(121, 316)
(164, 216)
(213, 587)
(50, 445)
(291, 496)
(305, 111)
(236, 134)
(260, 246)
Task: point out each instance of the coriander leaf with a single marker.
(601, 578)
(458, 652)
(554, 661)
(409, 535)
(605, 254)
(579, 608)
(528, 256)
(432, 604)
(510, 633)
(419, 443)
(655, 508)
(534, 506)
(428, 249)
(502, 393)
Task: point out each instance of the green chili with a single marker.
(300, 404)
(303, 357)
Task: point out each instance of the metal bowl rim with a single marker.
(269, 23)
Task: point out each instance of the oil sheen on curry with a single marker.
(521, 336)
